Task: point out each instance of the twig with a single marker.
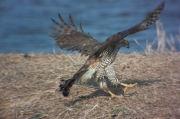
(139, 44)
(71, 58)
(61, 114)
(91, 110)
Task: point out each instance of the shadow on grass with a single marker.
(143, 82)
(118, 90)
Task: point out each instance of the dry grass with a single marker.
(29, 88)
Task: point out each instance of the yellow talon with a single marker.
(113, 95)
(127, 86)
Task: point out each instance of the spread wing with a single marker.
(73, 39)
(150, 19)
(114, 39)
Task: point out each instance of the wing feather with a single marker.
(120, 36)
(57, 23)
(72, 23)
(150, 19)
(73, 39)
(62, 20)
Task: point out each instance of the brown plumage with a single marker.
(101, 55)
(73, 39)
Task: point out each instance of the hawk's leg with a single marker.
(103, 86)
(110, 73)
(127, 85)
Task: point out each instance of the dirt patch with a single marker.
(29, 88)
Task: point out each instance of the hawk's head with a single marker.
(125, 43)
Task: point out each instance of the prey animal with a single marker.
(101, 56)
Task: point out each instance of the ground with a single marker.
(29, 88)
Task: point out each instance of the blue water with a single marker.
(24, 24)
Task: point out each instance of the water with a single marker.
(24, 24)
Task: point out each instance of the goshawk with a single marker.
(100, 55)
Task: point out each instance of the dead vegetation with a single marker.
(162, 43)
(29, 88)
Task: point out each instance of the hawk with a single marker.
(101, 56)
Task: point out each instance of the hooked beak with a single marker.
(128, 46)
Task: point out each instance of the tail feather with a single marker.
(67, 84)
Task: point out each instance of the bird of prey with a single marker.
(101, 56)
